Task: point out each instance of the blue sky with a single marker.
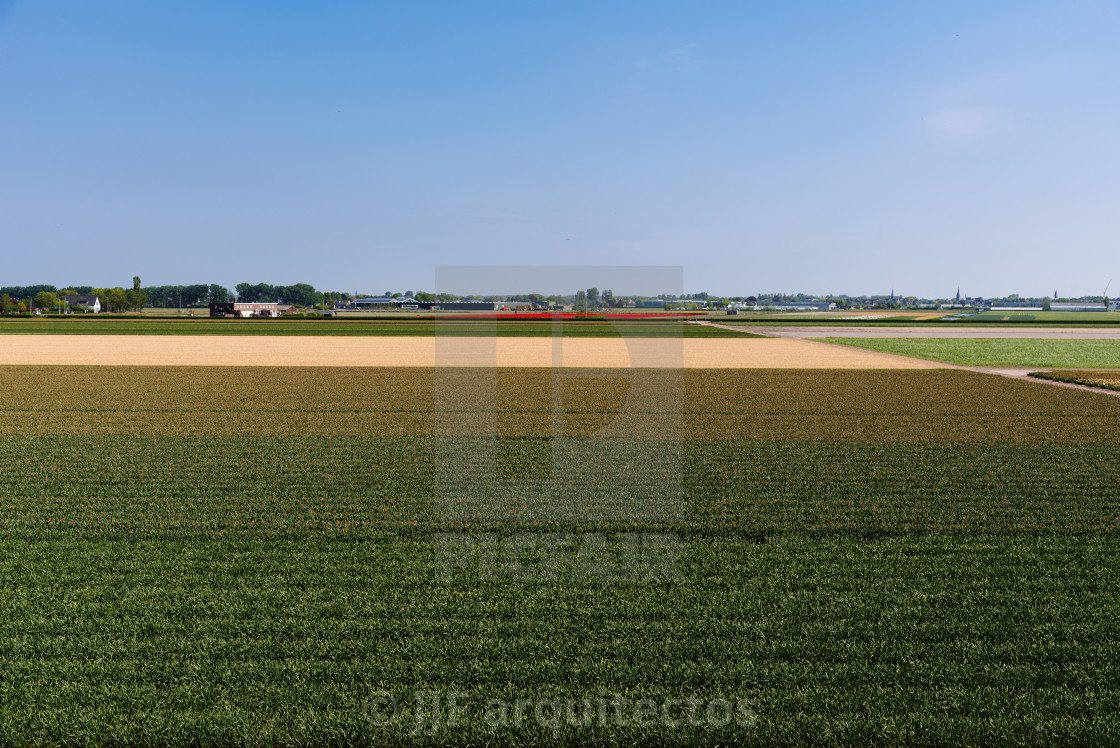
(822, 147)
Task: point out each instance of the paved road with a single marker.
(1059, 333)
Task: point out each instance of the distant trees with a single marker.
(299, 294)
(112, 299)
(136, 299)
(19, 293)
(7, 305)
(333, 297)
(46, 300)
(253, 293)
(198, 294)
(216, 293)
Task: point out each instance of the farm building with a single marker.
(800, 306)
(447, 306)
(244, 309)
(89, 301)
(464, 306)
(381, 302)
(1077, 306)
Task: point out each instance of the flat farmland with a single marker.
(509, 326)
(1110, 317)
(1020, 352)
(733, 351)
(194, 555)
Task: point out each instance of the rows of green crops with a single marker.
(898, 642)
(366, 488)
(143, 452)
(195, 556)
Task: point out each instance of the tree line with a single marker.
(22, 299)
(299, 294)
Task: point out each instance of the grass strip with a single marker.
(1079, 354)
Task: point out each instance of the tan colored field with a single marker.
(228, 350)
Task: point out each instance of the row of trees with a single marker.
(28, 292)
(589, 298)
(299, 294)
(199, 294)
(23, 298)
(49, 298)
(119, 300)
(8, 305)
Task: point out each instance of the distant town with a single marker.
(262, 299)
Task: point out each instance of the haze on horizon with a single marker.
(802, 146)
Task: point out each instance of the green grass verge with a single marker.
(1044, 316)
(1077, 354)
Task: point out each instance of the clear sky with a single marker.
(843, 147)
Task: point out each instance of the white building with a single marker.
(1077, 306)
(89, 301)
(244, 309)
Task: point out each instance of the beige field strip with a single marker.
(229, 350)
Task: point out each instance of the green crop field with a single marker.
(245, 556)
(946, 320)
(1046, 316)
(653, 328)
(908, 641)
(1029, 352)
